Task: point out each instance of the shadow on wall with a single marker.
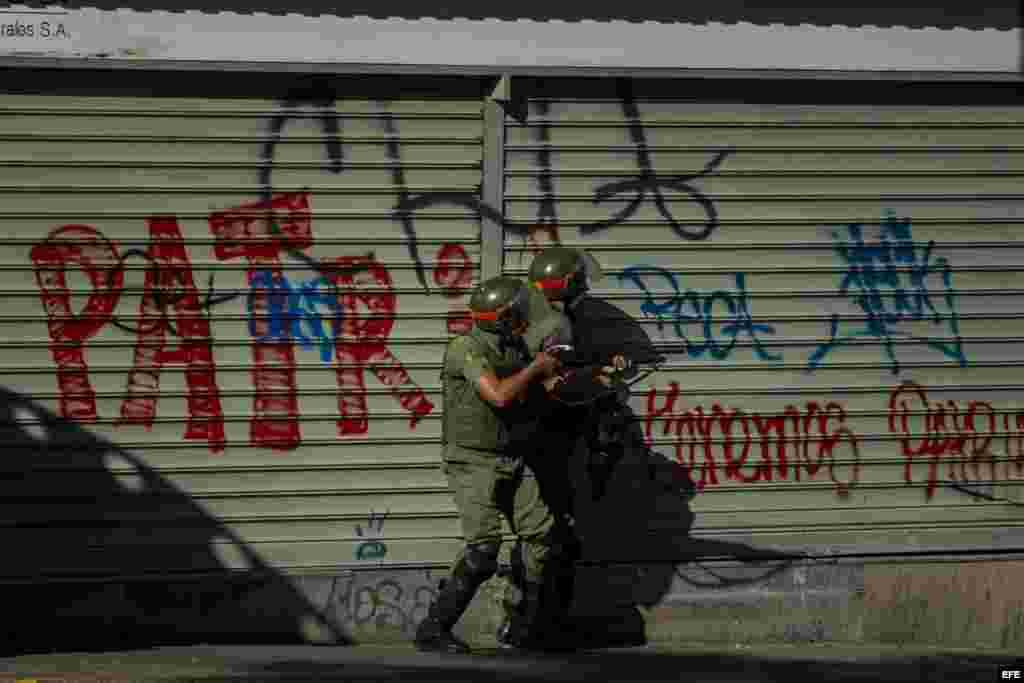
(89, 532)
(632, 514)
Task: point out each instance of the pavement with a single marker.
(718, 663)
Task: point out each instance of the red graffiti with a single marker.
(362, 346)
(964, 436)
(88, 249)
(756, 447)
(171, 280)
(259, 232)
(454, 275)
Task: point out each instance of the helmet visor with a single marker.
(507, 320)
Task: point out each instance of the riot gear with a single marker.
(501, 306)
(564, 274)
(477, 564)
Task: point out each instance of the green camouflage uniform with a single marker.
(483, 451)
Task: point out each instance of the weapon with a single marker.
(580, 374)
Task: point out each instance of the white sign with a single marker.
(36, 31)
(291, 38)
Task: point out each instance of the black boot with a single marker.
(434, 633)
(432, 636)
(530, 627)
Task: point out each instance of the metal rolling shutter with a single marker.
(838, 290)
(318, 450)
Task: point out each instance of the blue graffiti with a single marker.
(888, 280)
(695, 308)
(296, 312)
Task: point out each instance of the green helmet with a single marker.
(500, 305)
(563, 273)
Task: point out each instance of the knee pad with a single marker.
(481, 561)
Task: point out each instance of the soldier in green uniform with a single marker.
(488, 380)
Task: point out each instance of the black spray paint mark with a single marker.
(331, 135)
(548, 212)
(394, 152)
(648, 181)
(975, 493)
(165, 299)
(330, 129)
(464, 200)
(718, 580)
(385, 601)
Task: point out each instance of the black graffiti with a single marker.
(548, 212)
(331, 132)
(647, 185)
(464, 200)
(382, 602)
(164, 299)
(648, 182)
(394, 153)
(967, 490)
(330, 129)
(718, 580)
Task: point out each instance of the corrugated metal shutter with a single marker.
(837, 289)
(281, 370)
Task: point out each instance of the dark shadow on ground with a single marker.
(632, 665)
(90, 536)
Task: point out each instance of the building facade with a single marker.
(235, 245)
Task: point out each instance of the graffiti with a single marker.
(796, 441)
(330, 127)
(888, 281)
(398, 180)
(454, 279)
(161, 311)
(697, 309)
(281, 315)
(547, 212)
(965, 436)
(244, 232)
(646, 186)
(293, 308)
(453, 274)
(195, 350)
(372, 547)
(700, 575)
(383, 602)
(275, 424)
(648, 182)
(369, 350)
(87, 248)
(98, 257)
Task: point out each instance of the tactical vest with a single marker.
(468, 419)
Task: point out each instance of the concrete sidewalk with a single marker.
(720, 663)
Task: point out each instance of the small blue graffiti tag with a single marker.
(695, 308)
(889, 280)
(372, 548)
(293, 310)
